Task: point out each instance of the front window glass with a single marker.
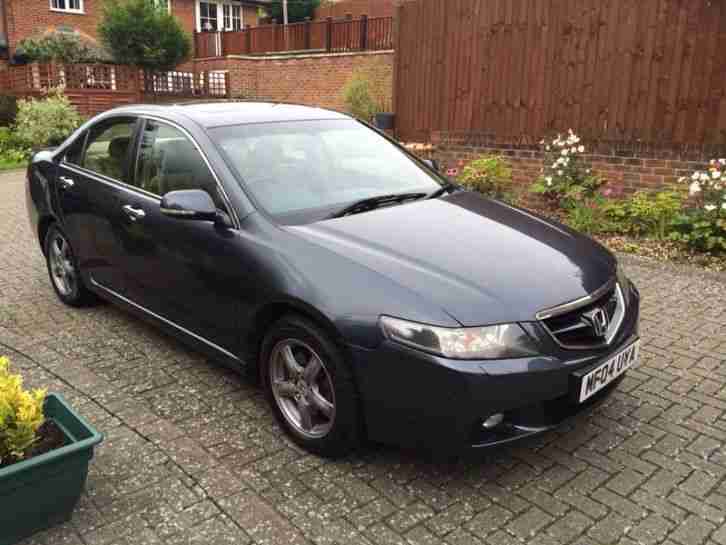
(107, 150)
(312, 168)
(208, 16)
(169, 161)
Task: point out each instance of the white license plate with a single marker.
(604, 374)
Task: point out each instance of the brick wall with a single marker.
(4, 77)
(315, 80)
(372, 8)
(627, 167)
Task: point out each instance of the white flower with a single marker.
(703, 176)
(696, 176)
(573, 151)
(709, 207)
(722, 161)
(547, 147)
(694, 189)
(715, 174)
(723, 206)
(565, 152)
(548, 179)
(581, 149)
(560, 173)
(587, 171)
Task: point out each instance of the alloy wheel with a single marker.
(62, 269)
(302, 388)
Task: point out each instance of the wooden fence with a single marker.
(618, 70)
(364, 34)
(94, 88)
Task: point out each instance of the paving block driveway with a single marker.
(192, 454)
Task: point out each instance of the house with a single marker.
(24, 18)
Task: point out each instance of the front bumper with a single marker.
(418, 400)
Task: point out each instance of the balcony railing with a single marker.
(332, 36)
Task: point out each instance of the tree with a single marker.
(144, 34)
(297, 10)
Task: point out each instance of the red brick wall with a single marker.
(372, 8)
(315, 80)
(628, 167)
(4, 77)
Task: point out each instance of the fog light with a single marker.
(493, 421)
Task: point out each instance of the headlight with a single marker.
(469, 343)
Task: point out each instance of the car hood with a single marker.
(480, 260)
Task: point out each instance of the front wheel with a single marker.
(65, 276)
(310, 387)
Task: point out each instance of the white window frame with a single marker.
(80, 10)
(220, 14)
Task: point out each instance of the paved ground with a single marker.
(192, 454)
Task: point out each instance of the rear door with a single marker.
(91, 178)
(184, 271)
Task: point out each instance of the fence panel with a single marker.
(330, 35)
(615, 70)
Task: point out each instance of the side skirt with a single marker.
(178, 332)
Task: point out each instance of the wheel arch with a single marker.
(271, 313)
(44, 225)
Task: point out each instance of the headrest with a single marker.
(118, 147)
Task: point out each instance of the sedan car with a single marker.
(372, 297)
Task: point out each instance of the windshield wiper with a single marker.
(371, 203)
(447, 186)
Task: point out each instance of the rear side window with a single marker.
(108, 146)
(169, 161)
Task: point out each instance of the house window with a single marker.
(72, 6)
(208, 17)
(232, 17)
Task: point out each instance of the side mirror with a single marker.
(189, 204)
(433, 163)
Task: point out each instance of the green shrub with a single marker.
(60, 47)
(45, 122)
(142, 33)
(704, 227)
(490, 175)
(8, 110)
(359, 99)
(590, 216)
(565, 180)
(646, 213)
(21, 414)
(700, 231)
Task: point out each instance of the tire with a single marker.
(63, 271)
(288, 390)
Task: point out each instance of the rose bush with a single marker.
(565, 179)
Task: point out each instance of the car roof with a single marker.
(220, 114)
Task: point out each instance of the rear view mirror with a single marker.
(189, 204)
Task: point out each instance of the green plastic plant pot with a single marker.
(43, 491)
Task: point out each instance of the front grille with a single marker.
(573, 329)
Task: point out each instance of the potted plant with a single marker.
(45, 448)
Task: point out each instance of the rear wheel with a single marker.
(65, 276)
(310, 387)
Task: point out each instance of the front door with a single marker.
(91, 177)
(184, 271)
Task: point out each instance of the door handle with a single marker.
(65, 182)
(134, 213)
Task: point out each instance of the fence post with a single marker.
(397, 16)
(248, 40)
(328, 34)
(308, 40)
(363, 32)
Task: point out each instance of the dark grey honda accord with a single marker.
(372, 297)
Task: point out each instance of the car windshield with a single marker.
(304, 171)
